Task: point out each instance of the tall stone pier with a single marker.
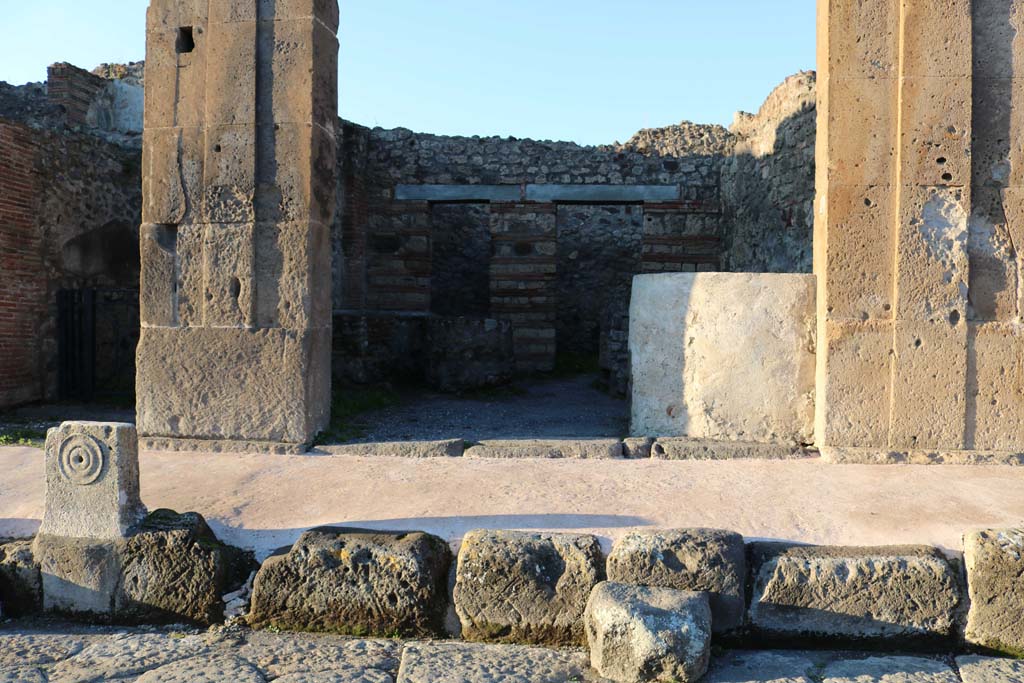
(919, 223)
(238, 195)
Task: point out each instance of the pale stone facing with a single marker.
(92, 481)
(726, 356)
(975, 669)
(477, 663)
(889, 670)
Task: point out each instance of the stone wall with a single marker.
(22, 279)
(71, 200)
(426, 225)
(768, 183)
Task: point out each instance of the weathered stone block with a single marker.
(158, 292)
(931, 259)
(357, 582)
(992, 292)
(20, 581)
(998, 40)
(175, 570)
(302, 84)
(708, 560)
(861, 131)
(295, 165)
(231, 77)
(929, 386)
(935, 138)
(995, 561)
(92, 480)
(743, 345)
(526, 587)
(928, 24)
(899, 594)
(638, 633)
(888, 670)
(859, 39)
(275, 381)
(325, 11)
(290, 260)
(995, 387)
(854, 384)
(997, 153)
(229, 184)
(858, 252)
(976, 669)
(80, 575)
(163, 193)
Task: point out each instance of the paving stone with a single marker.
(522, 587)
(175, 570)
(355, 581)
(127, 654)
(995, 563)
(640, 633)
(684, 448)
(446, 448)
(479, 663)
(285, 654)
(892, 595)
(584, 449)
(976, 669)
(24, 674)
(889, 670)
(687, 559)
(33, 649)
(763, 667)
(205, 669)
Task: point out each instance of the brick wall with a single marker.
(22, 276)
(73, 89)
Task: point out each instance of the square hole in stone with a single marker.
(186, 42)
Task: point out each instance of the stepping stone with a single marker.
(688, 559)
(529, 588)
(640, 633)
(898, 595)
(355, 581)
(763, 667)
(480, 663)
(995, 562)
(889, 670)
(975, 669)
(204, 669)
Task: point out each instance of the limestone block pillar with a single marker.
(912, 249)
(238, 196)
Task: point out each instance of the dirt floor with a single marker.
(535, 409)
(264, 502)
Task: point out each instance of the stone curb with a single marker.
(448, 448)
(583, 449)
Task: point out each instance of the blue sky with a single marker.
(593, 71)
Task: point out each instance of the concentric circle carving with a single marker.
(81, 459)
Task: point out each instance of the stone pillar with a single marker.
(238, 196)
(918, 310)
